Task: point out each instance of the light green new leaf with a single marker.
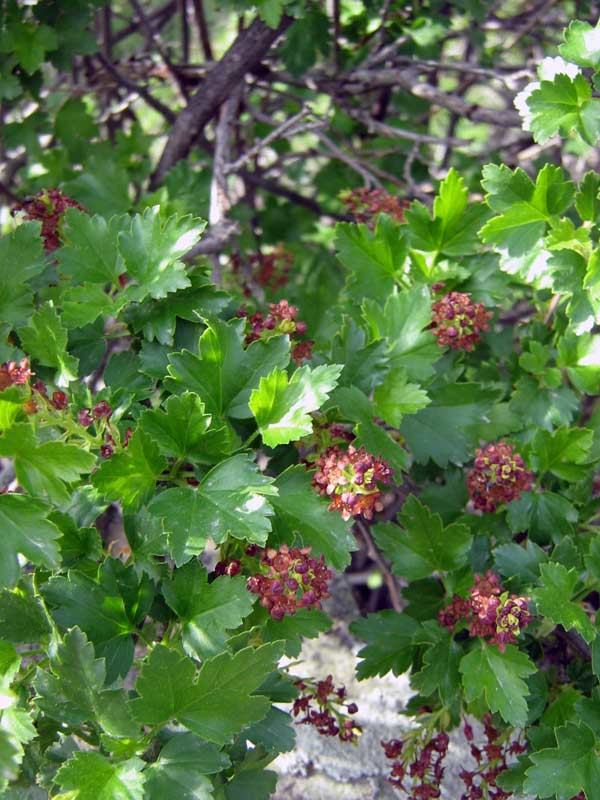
(582, 44)
(45, 340)
(130, 476)
(215, 703)
(390, 643)
(564, 105)
(152, 252)
(207, 610)
(230, 500)
(25, 530)
(181, 769)
(553, 600)
(93, 777)
(567, 769)
(89, 253)
(73, 692)
(500, 678)
(394, 397)
(223, 373)
(423, 545)
(300, 514)
(44, 469)
(563, 452)
(452, 231)
(180, 429)
(282, 405)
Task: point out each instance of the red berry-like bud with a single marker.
(498, 476)
(101, 409)
(40, 387)
(84, 417)
(59, 400)
(458, 322)
(106, 450)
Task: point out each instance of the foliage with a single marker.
(199, 425)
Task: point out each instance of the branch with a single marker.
(202, 29)
(373, 552)
(243, 55)
(121, 79)
(215, 240)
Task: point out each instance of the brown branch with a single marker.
(243, 55)
(203, 33)
(166, 112)
(373, 552)
(157, 19)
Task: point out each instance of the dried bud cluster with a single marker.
(492, 761)
(499, 475)
(290, 579)
(280, 319)
(270, 270)
(48, 206)
(458, 322)
(489, 611)
(330, 717)
(418, 769)
(14, 374)
(365, 205)
(350, 477)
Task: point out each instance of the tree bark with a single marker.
(243, 55)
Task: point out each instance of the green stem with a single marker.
(249, 440)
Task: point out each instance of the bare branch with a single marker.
(132, 86)
(203, 34)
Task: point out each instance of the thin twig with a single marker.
(390, 580)
(203, 34)
(166, 112)
(366, 174)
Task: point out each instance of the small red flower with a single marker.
(101, 409)
(366, 205)
(48, 206)
(458, 322)
(59, 400)
(498, 476)
(14, 374)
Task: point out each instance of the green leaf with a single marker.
(94, 777)
(526, 207)
(21, 258)
(547, 516)
(130, 476)
(74, 126)
(452, 231)
(180, 429)
(499, 677)
(30, 42)
(45, 340)
(563, 452)
(258, 784)
(423, 545)
(364, 364)
(390, 643)
(354, 405)
(403, 322)
(520, 562)
(89, 253)
(374, 259)
(44, 469)
(395, 397)
(440, 667)
(580, 356)
(73, 693)
(300, 514)
(207, 610)
(21, 618)
(217, 702)
(82, 305)
(181, 769)
(224, 374)
(25, 531)
(107, 610)
(281, 405)
(564, 105)
(543, 407)
(454, 408)
(271, 11)
(587, 202)
(307, 37)
(230, 500)
(275, 732)
(102, 186)
(307, 623)
(152, 252)
(553, 600)
(567, 769)
(582, 44)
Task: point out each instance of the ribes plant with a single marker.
(195, 439)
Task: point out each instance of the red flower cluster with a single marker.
(489, 611)
(492, 761)
(365, 205)
(280, 319)
(270, 270)
(350, 477)
(14, 374)
(499, 475)
(330, 718)
(458, 322)
(48, 207)
(230, 567)
(424, 769)
(290, 579)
